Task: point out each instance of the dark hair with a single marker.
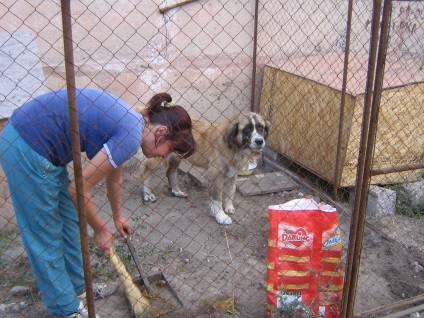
(161, 112)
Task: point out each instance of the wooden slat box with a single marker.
(303, 102)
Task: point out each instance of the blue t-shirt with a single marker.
(105, 121)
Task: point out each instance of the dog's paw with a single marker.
(223, 218)
(179, 193)
(148, 197)
(229, 209)
(219, 214)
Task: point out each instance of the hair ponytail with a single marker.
(161, 111)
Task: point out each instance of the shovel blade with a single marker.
(165, 299)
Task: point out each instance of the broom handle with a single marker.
(138, 265)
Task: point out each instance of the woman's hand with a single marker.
(104, 240)
(123, 226)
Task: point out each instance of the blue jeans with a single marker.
(47, 219)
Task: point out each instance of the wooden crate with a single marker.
(305, 110)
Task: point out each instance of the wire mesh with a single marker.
(202, 54)
(300, 88)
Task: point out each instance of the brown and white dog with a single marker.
(223, 149)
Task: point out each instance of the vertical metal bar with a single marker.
(375, 108)
(343, 100)
(361, 201)
(352, 262)
(255, 43)
(76, 152)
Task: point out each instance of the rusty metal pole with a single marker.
(343, 101)
(400, 168)
(375, 108)
(368, 141)
(350, 283)
(393, 306)
(76, 152)
(255, 48)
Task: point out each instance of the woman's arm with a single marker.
(114, 194)
(93, 172)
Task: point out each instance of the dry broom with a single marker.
(138, 302)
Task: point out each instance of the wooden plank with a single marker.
(265, 183)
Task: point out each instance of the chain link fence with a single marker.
(315, 94)
(285, 60)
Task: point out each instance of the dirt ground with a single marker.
(218, 271)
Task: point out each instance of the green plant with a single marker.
(405, 202)
(137, 222)
(7, 238)
(15, 268)
(232, 314)
(290, 309)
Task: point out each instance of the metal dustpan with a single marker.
(163, 298)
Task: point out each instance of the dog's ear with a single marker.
(232, 136)
(268, 126)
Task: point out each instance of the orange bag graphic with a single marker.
(305, 258)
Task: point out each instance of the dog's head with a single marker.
(248, 132)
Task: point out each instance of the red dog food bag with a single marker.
(304, 259)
